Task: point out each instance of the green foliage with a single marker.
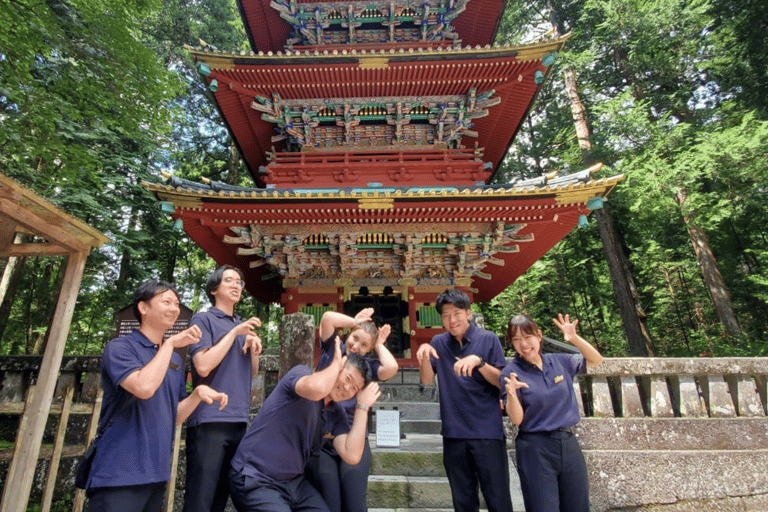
(673, 98)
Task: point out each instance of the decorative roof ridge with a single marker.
(541, 184)
(336, 52)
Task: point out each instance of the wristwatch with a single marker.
(362, 407)
(482, 363)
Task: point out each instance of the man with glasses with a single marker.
(226, 359)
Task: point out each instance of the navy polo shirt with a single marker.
(232, 376)
(136, 448)
(278, 442)
(549, 401)
(469, 406)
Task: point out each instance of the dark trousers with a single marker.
(250, 494)
(472, 461)
(344, 487)
(136, 498)
(210, 448)
(553, 474)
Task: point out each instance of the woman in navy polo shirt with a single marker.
(537, 390)
(344, 486)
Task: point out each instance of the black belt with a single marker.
(567, 430)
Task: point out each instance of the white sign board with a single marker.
(387, 428)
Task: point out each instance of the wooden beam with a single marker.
(42, 227)
(28, 440)
(7, 231)
(38, 249)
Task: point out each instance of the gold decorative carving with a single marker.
(374, 63)
(376, 204)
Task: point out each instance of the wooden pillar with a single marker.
(18, 482)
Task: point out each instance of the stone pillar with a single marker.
(297, 336)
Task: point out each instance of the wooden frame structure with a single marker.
(22, 211)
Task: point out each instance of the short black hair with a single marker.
(360, 364)
(452, 296)
(147, 291)
(214, 280)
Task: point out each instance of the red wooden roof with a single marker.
(549, 209)
(267, 32)
(295, 75)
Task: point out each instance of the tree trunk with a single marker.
(5, 306)
(233, 165)
(624, 289)
(713, 279)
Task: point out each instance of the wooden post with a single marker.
(18, 482)
(58, 445)
(170, 491)
(15, 459)
(93, 428)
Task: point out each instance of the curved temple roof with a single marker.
(493, 233)
(512, 76)
(476, 24)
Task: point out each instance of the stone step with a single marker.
(412, 476)
(412, 410)
(415, 417)
(407, 393)
(422, 492)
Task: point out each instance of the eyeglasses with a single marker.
(235, 280)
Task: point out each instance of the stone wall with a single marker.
(676, 434)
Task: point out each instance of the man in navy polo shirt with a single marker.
(268, 469)
(467, 361)
(227, 358)
(144, 397)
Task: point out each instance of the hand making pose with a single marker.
(467, 361)
(538, 393)
(268, 468)
(144, 398)
(344, 486)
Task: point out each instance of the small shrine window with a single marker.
(316, 312)
(428, 317)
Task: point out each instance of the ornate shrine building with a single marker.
(372, 131)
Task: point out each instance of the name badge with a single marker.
(174, 366)
(558, 378)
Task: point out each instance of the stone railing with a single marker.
(676, 434)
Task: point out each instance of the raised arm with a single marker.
(590, 353)
(426, 373)
(467, 364)
(201, 393)
(316, 386)
(207, 360)
(333, 320)
(350, 446)
(146, 380)
(513, 406)
(389, 365)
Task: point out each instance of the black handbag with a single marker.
(86, 459)
(84, 464)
